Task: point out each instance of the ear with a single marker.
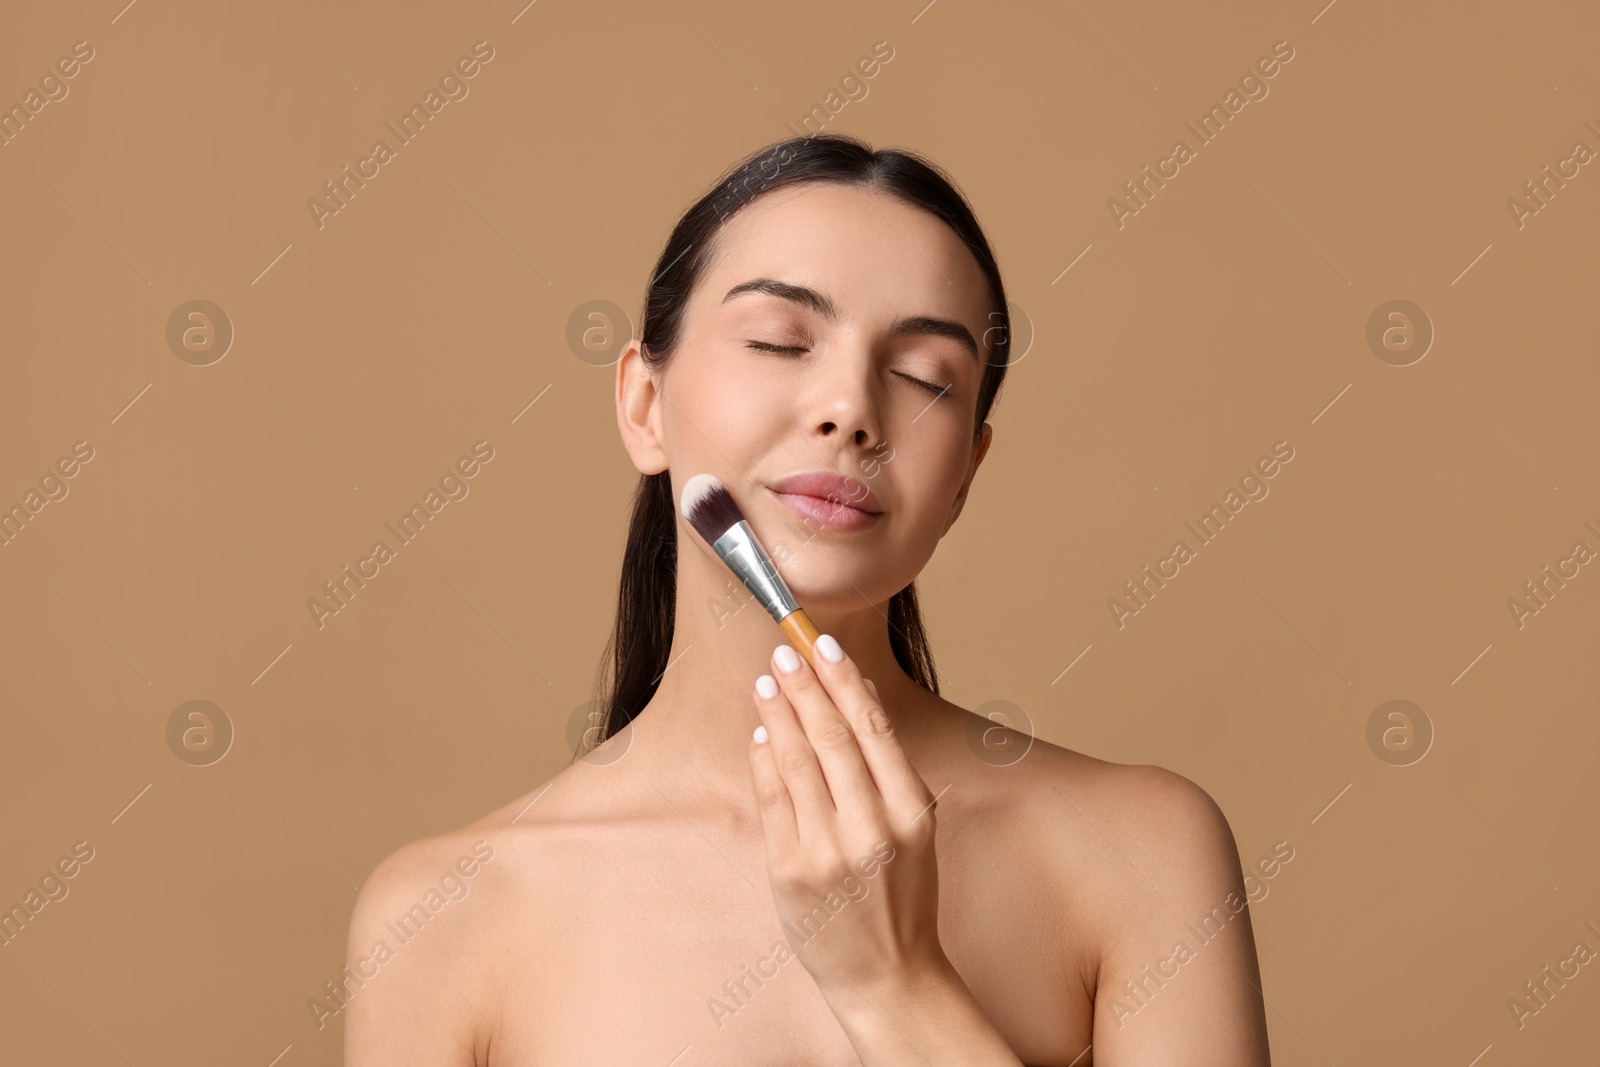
(638, 413)
(978, 452)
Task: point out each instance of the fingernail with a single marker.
(787, 659)
(761, 735)
(767, 686)
(872, 687)
(830, 649)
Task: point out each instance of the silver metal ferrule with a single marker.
(744, 556)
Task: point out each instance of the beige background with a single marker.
(1227, 315)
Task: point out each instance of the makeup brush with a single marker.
(711, 510)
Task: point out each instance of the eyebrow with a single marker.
(913, 325)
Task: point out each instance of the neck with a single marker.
(695, 732)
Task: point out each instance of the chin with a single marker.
(821, 583)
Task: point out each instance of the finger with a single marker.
(902, 788)
(778, 822)
(832, 737)
(795, 759)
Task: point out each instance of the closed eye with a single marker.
(765, 346)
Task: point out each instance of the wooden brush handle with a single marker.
(802, 634)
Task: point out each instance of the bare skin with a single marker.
(626, 913)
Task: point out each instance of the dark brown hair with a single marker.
(647, 592)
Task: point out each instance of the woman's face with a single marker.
(835, 329)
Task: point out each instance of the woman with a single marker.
(744, 871)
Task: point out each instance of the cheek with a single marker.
(720, 408)
(925, 485)
(935, 473)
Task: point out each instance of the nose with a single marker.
(844, 400)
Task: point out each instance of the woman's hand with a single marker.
(849, 826)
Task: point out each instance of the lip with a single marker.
(822, 499)
(847, 491)
(828, 514)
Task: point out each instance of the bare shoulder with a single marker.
(1173, 835)
(1121, 829)
(409, 931)
(1158, 809)
(1158, 806)
(422, 981)
(1146, 859)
